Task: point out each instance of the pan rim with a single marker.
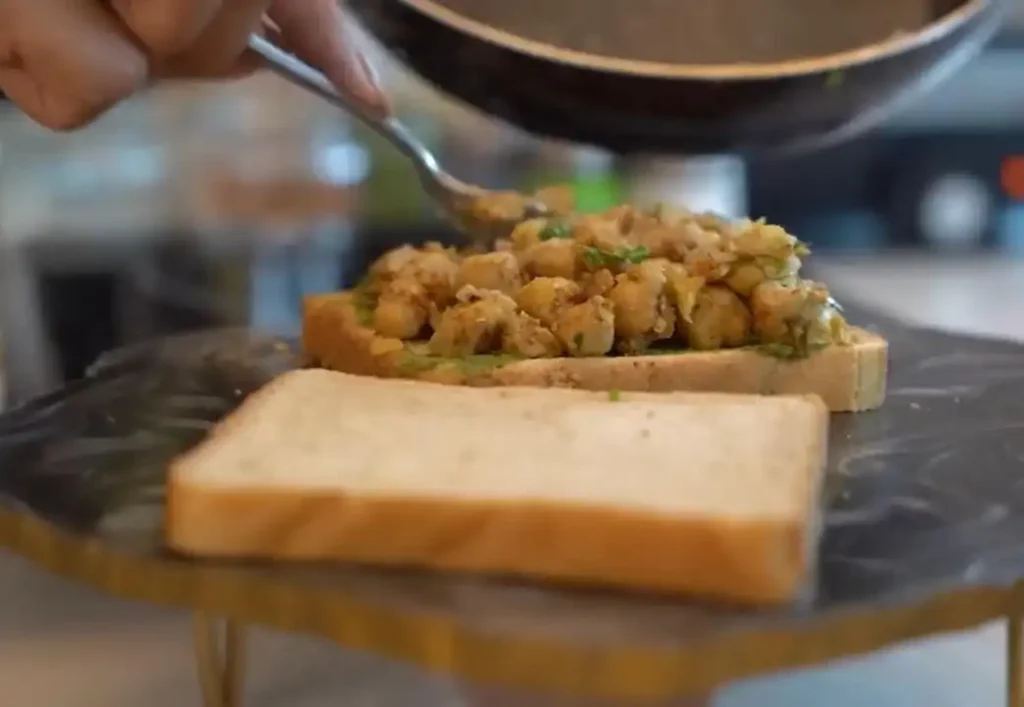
(894, 45)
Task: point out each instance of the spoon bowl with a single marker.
(631, 106)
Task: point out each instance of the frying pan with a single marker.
(631, 106)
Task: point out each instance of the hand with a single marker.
(65, 62)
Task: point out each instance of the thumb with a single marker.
(64, 62)
(317, 32)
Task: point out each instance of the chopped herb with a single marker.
(593, 256)
(364, 303)
(614, 395)
(783, 351)
(834, 79)
(556, 230)
(801, 249)
(626, 254)
(577, 340)
(635, 255)
(413, 362)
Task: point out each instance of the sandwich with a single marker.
(696, 494)
(657, 299)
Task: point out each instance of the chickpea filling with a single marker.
(627, 281)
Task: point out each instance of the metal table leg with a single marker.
(1014, 661)
(29, 362)
(220, 660)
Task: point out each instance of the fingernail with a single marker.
(365, 81)
(369, 71)
(348, 63)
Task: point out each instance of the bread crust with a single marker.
(847, 378)
(747, 562)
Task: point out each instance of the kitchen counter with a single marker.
(62, 644)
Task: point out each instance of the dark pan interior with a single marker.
(703, 32)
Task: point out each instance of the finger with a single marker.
(246, 65)
(316, 31)
(64, 62)
(166, 27)
(218, 48)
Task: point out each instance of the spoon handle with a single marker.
(387, 126)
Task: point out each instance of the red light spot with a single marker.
(1011, 177)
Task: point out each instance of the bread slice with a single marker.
(708, 494)
(846, 378)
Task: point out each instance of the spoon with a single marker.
(459, 200)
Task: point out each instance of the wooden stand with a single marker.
(220, 662)
(1014, 661)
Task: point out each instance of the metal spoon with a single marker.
(455, 197)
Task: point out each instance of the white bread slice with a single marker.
(847, 378)
(709, 494)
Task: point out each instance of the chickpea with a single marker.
(709, 263)
(775, 269)
(597, 283)
(490, 271)
(747, 274)
(653, 271)
(527, 233)
(744, 277)
(402, 309)
(669, 215)
(756, 238)
(683, 289)
(387, 267)
(528, 337)
(624, 215)
(587, 329)
(554, 258)
(436, 272)
(663, 242)
(389, 264)
(473, 326)
(712, 222)
(780, 300)
(499, 206)
(643, 313)
(635, 301)
(544, 297)
(773, 305)
(695, 236)
(598, 231)
(776, 307)
(827, 327)
(399, 320)
(720, 320)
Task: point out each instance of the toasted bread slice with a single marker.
(846, 378)
(692, 493)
